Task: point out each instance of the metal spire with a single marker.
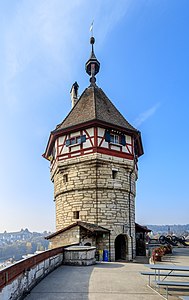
(92, 66)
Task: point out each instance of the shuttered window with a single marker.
(76, 140)
(115, 138)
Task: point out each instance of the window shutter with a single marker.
(107, 136)
(83, 138)
(123, 141)
(67, 143)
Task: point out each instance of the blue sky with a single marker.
(143, 48)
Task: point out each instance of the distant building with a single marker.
(93, 157)
(10, 237)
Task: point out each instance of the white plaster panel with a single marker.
(61, 140)
(130, 148)
(113, 147)
(90, 131)
(124, 149)
(88, 151)
(87, 144)
(99, 140)
(75, 134)
(104, 144)
(101, 131)
(65, 150)
(75, 154)
(66, 156)
(75, 148)
(128, 139)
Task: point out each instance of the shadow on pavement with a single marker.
(108, 265)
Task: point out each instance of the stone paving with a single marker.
(104, 281)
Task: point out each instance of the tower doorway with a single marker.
(121, 247)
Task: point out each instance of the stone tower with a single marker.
(93, 157)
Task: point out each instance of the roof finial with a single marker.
(92, 66)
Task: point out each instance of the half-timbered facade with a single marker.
(93, 157)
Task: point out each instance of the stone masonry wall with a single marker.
(68, 237)
(20, 285)
(86, 185)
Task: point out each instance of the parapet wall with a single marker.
(17, 280)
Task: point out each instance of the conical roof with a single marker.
(94, 105)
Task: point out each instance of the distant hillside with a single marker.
(16, 244)
(165, 229)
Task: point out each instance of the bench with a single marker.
(165, 274)
(171, 283)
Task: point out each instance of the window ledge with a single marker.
(76, 144)
(115, 144)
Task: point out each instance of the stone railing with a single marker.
(18, 279)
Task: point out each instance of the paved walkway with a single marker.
(103, 281)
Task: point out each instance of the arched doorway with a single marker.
(120, 247)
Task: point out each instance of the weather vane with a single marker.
(91, 28)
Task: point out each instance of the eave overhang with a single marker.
(63, 131)
(88, 226)
(140, 228)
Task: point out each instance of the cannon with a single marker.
(172, 240)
